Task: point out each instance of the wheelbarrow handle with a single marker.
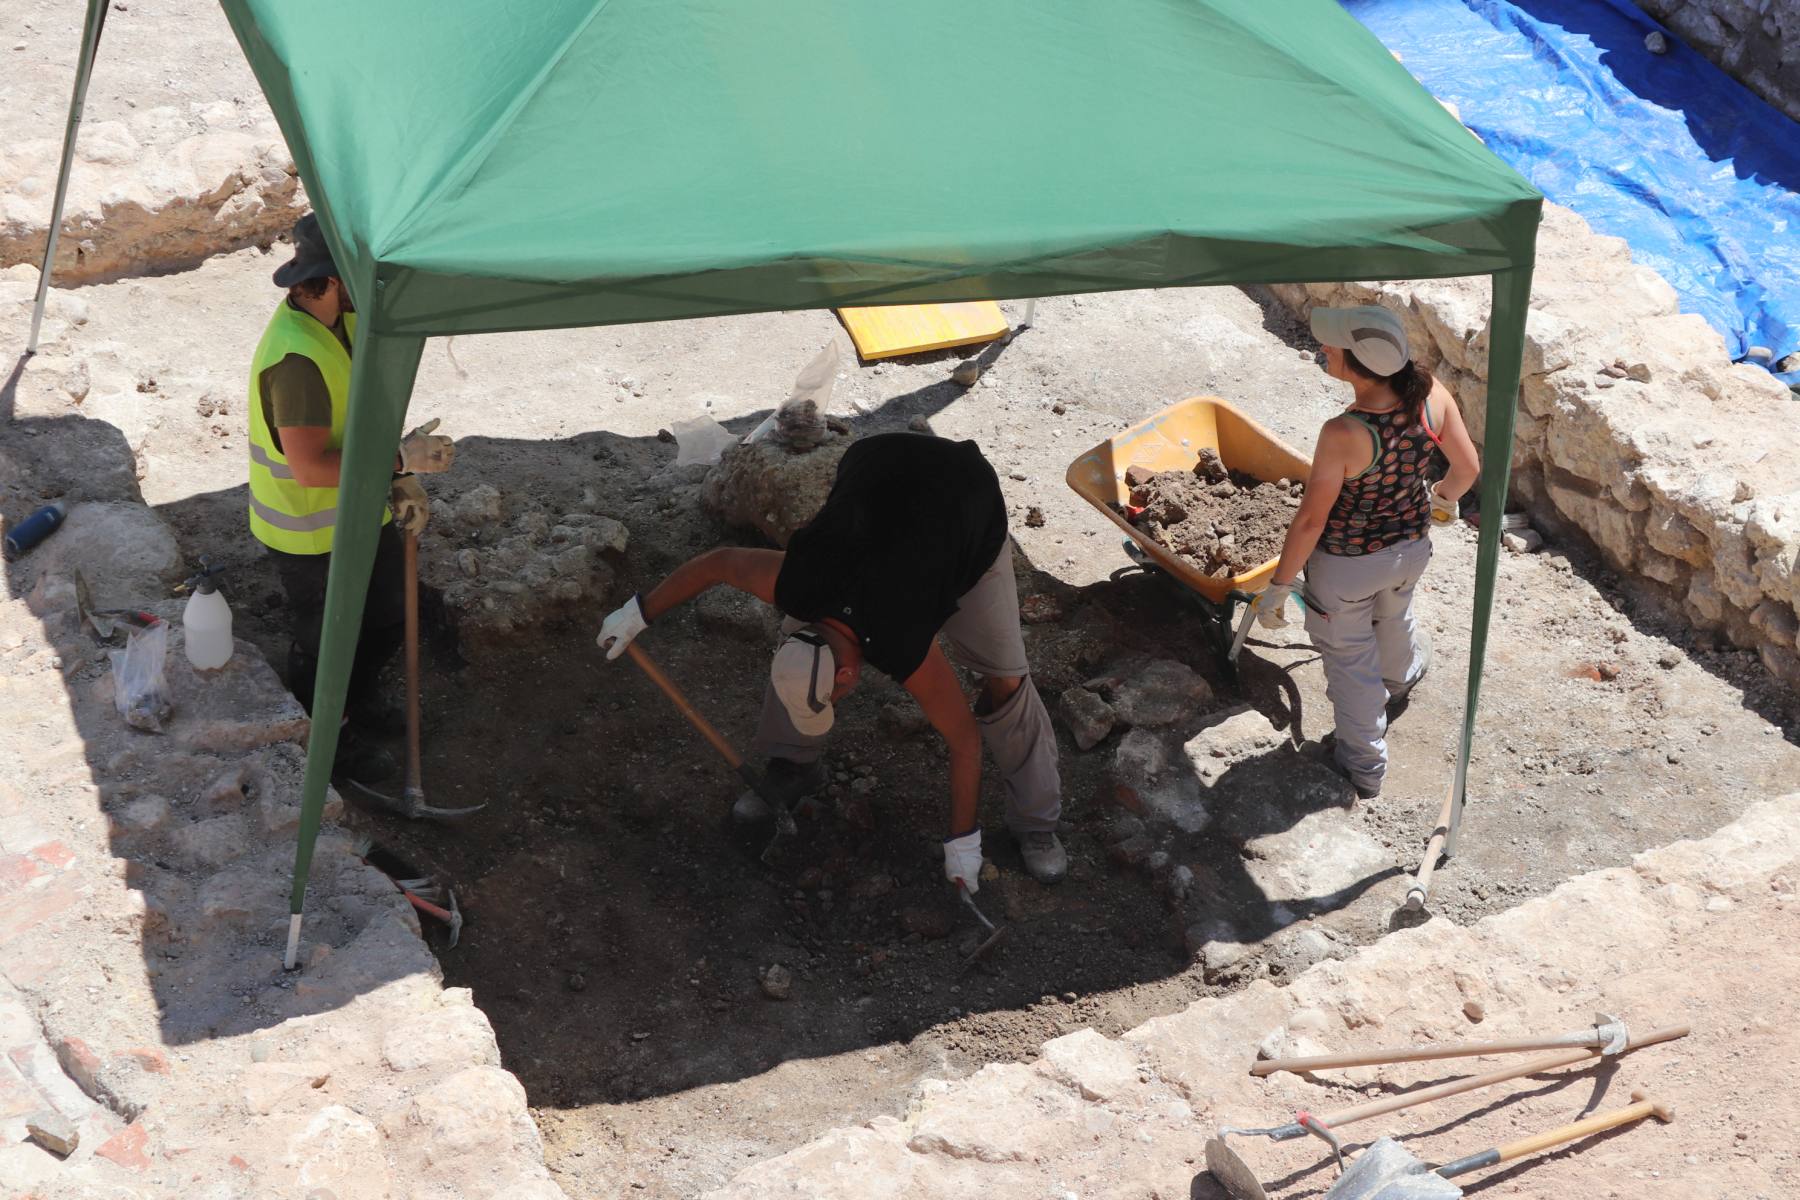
(1599, 1123)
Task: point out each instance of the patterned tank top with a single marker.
(1388, 503)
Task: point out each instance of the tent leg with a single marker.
(291, 960)
(1512, 298)
(1030, 314)
(84, 69)
(381, 379)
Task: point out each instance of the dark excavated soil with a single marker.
(1224, 526)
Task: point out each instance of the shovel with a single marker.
(1386, 1171)
(411, 801)
(1237, 1177)
(784, 820)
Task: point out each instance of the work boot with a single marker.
(788, 782)
(362, 760)
(1044, 856)
(1328, 752)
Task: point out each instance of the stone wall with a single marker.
(163, 190)
(1634, 429)
(1757, 42)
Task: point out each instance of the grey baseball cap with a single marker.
(312, 256)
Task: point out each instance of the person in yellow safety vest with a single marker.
(299, 397)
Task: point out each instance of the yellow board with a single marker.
(897, 329)
(1171, 441)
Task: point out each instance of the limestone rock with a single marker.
(475, 1114)
(1002, 1114)
(1158, 693)
(125, 552)
(53, 1131)
(1156, 783)
(339, 1151)
(1219, 949)
(1295, 949)
(1088, 717)
(1227, 739)
(240, 706)
(766, 487)
(451, 1036)
(1098, 1067)
(270, 1085)
(1322, 855)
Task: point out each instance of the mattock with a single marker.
(411, 801)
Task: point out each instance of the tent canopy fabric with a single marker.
(577, 162)
(588, 162)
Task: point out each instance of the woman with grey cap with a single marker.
(1378, 482)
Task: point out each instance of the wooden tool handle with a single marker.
(1644, 1107)
(1549, 1062)
(681, 702)
(414, 774)
(1369, 1058)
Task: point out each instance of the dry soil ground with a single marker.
(616, 934)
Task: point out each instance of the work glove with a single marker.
(962, 860)
(425, 452)
(620, 627)
(1270, 605)
(1443, 512)
(412, 508)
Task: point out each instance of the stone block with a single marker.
(1670, 533)
(1002, 1114)
(1221, 951)
(1321, 856)
(213, 843)
(146, 814)
(125, 552)
(1088, 717)
(240, 706)
(268, 1086)
(767, 487)
(53, 1131)
(339, 1151)
(1159, 693)
(454, 1036)
(1162, 786)
(479, 1112)
(242, 895)
(1095, 1065)
(1671, 572)
(1228, 738)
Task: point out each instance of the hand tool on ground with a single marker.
(784, 820)
(428, 896)
(1387, 1171)
(1438, 846)
(1608, 1035)
(411, 801)
(994, 935)
(1230, 1169)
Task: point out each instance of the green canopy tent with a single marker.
(580, 162)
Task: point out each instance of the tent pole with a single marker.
(84, 69)
(381, 379)
(1506, 349)
(1030, 313)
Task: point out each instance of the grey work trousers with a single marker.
(984, 636)
(1359, 614)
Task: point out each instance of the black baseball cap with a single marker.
(312, 257)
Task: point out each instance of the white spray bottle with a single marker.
(206, 623)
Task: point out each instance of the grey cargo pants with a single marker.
(1359, 615)
(984, 636)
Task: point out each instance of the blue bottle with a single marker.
(34, 529)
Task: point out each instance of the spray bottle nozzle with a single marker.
(202, 582)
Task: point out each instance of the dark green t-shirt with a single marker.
(294, 392)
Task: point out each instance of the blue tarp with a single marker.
(1666, 151)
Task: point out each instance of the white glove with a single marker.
(1443, 512)
(1270, 605)
(412, 508)
(962, 861)
(620, 627)
(426, 452)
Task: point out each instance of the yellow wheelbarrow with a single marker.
(1172, 440)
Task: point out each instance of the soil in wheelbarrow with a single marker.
(1224, 522)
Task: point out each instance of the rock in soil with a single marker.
(1088, 717)
(53, 1131)
(777, 982)
(1224, 528)
(928, 921)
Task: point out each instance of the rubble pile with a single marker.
(1224, 522)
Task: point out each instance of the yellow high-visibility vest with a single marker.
(284, 514)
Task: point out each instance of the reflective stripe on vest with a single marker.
(286, 515)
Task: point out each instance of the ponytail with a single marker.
(1411, 385)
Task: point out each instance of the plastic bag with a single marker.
(799, 423)
(140, 689)
(700, 440)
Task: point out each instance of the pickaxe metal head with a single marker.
(1611, 1034)
(411, 804)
